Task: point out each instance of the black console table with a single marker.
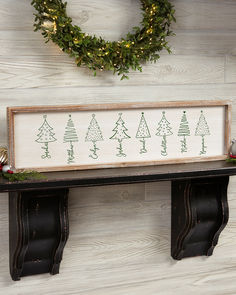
(38, 215)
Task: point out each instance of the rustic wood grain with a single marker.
(184, 43)
(125, 175)
(205, 15)
(191, 15)
(60, 71)
(230, 71)
(120, 106)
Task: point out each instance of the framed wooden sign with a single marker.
(53, 138)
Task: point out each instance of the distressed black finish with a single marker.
(38, 217)
(38, 231)
(122, 175)
(199, 214)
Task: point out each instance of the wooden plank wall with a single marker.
(120, 236)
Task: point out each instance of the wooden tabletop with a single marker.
(122, 175)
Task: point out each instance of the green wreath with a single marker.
(96, 53)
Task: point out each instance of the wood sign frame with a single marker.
(81, 135)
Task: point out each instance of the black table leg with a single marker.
(199, 214)
(38, 228)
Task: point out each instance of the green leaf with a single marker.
(95, 52)
(25, 175)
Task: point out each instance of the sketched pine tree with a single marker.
(183, 132)
(202, 130)
(164, 130)
(46, 135)
(119, 135)
(143, 133)
(93, 135)
(70, 136)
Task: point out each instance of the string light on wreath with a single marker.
(142, 45)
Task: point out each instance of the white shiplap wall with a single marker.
(120, 236)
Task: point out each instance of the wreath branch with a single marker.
(142, 45)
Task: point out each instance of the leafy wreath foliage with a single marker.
(143, 44)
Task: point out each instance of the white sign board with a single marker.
(115, 135)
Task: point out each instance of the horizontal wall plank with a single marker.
(184, 43)
(230, 69)
(203, 43)
(61, 71)
(99, 196)
(130, 216)
(122, 15)
(205, 15)
(29, 43)
(159, 191)
(83, 95)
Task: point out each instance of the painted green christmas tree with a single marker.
(202, 130)
(183, 132)
(70, 137)
(120, 134)
(46, 135)
(164, 130)
(93, 135)
(143, 133)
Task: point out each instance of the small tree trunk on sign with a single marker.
(70, 153)
(120, 149)
(46, 153)
(164, 147)
(184, 145)
(143, 149)
(203, 151)
(94, 151)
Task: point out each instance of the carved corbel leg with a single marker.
(38, 231)
(199, 214)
